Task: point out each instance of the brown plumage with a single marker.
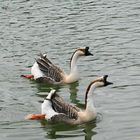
(61, 106)
(52, 72)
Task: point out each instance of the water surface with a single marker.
(112, 31)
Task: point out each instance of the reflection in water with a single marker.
(110, 28)
(43, 87)
(73, 94)
(88, 131)
(66, 131)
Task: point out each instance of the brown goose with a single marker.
(54, 109)
(44, 70)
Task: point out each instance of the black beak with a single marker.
(106, 83)
(87, 53)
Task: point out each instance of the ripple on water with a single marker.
(110, 29)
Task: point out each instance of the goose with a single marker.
(55, 109)
(43, 70)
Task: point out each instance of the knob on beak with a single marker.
(87, 51)
(105, 81)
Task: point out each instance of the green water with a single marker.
(112, 31)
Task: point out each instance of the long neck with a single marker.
(73, 62)
(73, 75)
(89, 102)
(90, 111)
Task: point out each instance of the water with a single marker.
(112, 31)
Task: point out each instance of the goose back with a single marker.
(52, 72)
(60, 106)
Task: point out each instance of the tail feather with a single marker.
(49, 69)
(46, 59)
(43, 66)
(50, 95)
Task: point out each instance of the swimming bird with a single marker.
(44, 70)
(55, 109)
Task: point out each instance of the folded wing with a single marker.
(51, 71)
(60, 106)
(61, 118)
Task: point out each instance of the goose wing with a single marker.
(49, 69)
(60, 106)
(61, 118)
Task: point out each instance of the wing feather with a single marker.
(62, 107)
(49, 69)
(61, 118)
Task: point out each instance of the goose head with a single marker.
(101, 81)
(84, 52)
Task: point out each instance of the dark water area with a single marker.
(112, 31)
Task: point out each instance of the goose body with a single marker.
(43, 70)
(55, 109)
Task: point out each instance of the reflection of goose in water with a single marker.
(70, 131)
(73, 89)
(44, 70)
(54, 109)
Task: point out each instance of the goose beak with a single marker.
(106, 83)
(87, 53)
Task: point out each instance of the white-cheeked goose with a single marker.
(55, 109)
(44, 70)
